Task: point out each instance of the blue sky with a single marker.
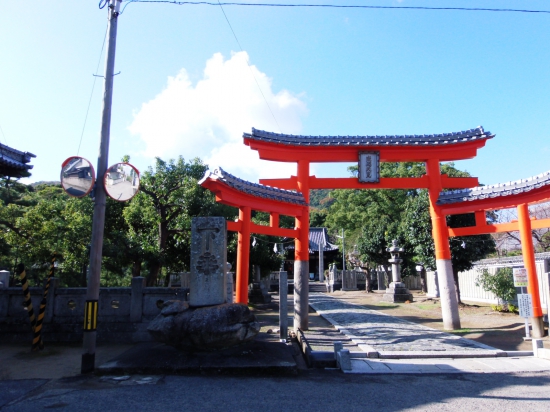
(185, 87)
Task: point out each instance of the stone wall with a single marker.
(124, 313)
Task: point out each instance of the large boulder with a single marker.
(205, 328)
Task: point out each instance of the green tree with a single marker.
(373, 218)
(15, 198)
(465, 250)
(171, 190)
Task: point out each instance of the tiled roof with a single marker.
(255, 189)
(318, 235)
(510, 260)
(404, 140)
(13, 162)
(503, 189)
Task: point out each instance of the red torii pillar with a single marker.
(301, 254)
(243, 252)
(440, 233)
(528, 252)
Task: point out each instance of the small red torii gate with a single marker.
(247, 196)
(519, 194)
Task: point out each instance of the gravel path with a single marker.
(386, 334)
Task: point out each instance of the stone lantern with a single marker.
(396, 291)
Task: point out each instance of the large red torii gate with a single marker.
(519, 194)
(429, 149)
(247, 196)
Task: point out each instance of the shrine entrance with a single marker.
(368, 152)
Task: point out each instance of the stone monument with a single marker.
(206, 322)
(207, 285)
(396, 291)
(257, 292)
(349, 280)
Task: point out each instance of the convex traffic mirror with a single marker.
(77, 176)
(121, 181)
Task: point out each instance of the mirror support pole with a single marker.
(98, 225)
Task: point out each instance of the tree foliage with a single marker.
(169, 198)
(151, 231)
(373, 218)
(501, 284)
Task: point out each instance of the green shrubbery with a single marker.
(501, 284)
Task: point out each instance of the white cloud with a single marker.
(207, 120)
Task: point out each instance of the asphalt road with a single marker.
(312, 390)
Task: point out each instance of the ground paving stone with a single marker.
(431, 366)
(385, 333)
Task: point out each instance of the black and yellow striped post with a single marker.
(27, 296)
(90, 316)
(37, 342)
(90, 325)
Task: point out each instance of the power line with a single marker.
(341, 6)
(92, 93)
(250, 68)
(3, 135)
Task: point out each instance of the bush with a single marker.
(513, 308)
(501, 284)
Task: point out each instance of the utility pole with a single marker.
(98, 225)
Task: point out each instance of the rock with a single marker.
(204, 328)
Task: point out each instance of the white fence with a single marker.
(467, 279)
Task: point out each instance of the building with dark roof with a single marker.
(318, 236)
(14, 163)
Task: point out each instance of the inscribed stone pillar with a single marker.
(229, 285)
(283, 305)
(208, 261)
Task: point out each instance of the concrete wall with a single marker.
(123, 312)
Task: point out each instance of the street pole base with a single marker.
(88, 363)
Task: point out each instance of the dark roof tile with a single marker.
(255, 189)
(493, 191)
(317, 235)
(14, 162)
(399, 140)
